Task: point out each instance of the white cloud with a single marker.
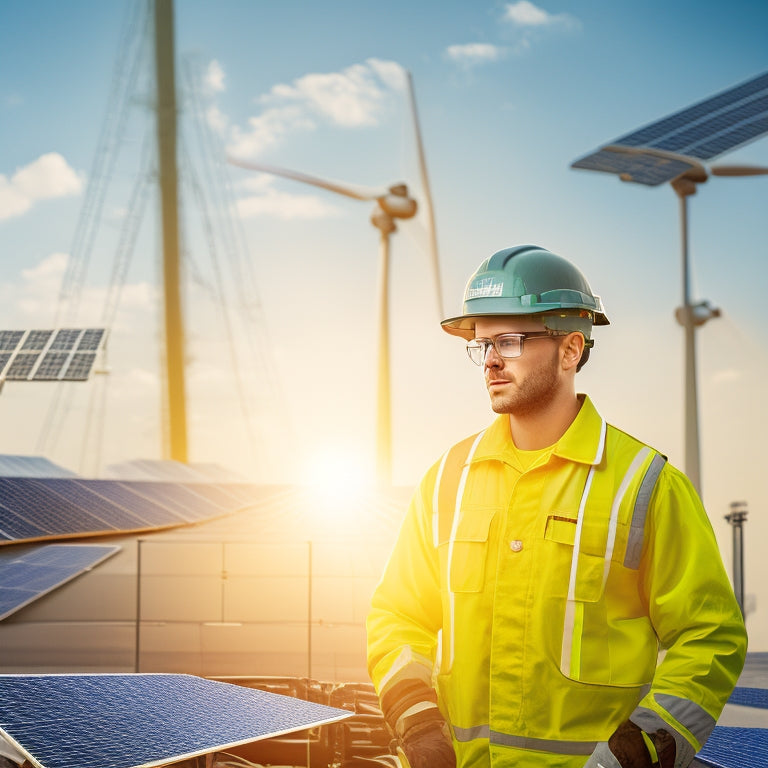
(47, 177)
(213, 80)
(34, 297)
(525, 14)
(470, 54)
(267, 129)
(355, 97)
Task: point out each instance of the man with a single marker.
(544, 564)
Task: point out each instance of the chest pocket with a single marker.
(464, 555)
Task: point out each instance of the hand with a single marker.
(429, 745)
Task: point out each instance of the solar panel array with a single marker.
(750, 697)
(26, 576)
(31, 466)
(64, 354)
(127, 721)
(730, 747)
(34, 508)
(659, 152)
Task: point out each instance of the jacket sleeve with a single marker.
(695, 615)
(406, 612)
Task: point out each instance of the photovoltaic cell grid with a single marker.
(127, 721)
(66, 354)
(658, 152)
(729, 747)
(26, 577)
(35, 508)
(31, 466)
(750, 697)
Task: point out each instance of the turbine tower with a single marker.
(391, 204)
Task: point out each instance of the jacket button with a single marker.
(515, 545)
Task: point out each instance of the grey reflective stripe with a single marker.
(475, 732)
(643, 500)
(688, 713)
(524, 742)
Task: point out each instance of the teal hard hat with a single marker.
(528, 280)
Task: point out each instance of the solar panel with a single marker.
(24, 577)
(127, 721)
(124, 519)
(729, 747)
(31, 466)
(151, 510)
(174, 496)
(35, 504)
(750, 697)
(9, 340)
(64, 354)
(663, 150)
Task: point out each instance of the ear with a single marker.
(571, 350)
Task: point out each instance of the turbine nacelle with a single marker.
(398, 204)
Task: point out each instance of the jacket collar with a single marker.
(583, 441)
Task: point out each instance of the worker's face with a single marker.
(526, 384)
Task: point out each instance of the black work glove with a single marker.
(428, 744)
(626, 749)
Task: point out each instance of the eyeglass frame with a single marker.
(488, 343)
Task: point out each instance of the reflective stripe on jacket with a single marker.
(537, 600)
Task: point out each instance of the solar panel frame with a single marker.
(721, 123)
(142, 720)
(26, 577)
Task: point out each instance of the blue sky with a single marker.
(509, 95)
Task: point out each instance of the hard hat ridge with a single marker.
(528, 280)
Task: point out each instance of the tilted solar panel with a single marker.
(38, 505)
(750, 697)
(127, 721)
(75, 492)
(152, 511)
(701, 132)
(189, 505)
(27, 576)
(31, 466)
(729, 747)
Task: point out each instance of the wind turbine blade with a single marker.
(358, 193)
(428, 207)
(738, 170)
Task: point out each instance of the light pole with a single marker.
(692, 316)
(737, 517)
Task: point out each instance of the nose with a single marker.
(492, 358)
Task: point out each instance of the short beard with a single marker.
(536, 393)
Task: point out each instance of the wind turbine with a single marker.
(391, 204)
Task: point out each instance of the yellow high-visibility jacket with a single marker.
(537, 602)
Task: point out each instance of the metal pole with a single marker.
(137, 646)
(166, 144)
(383, 407)
(692, 458)
(737, 517)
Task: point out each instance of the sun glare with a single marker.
(338, 479)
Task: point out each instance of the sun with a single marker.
(338, 479)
